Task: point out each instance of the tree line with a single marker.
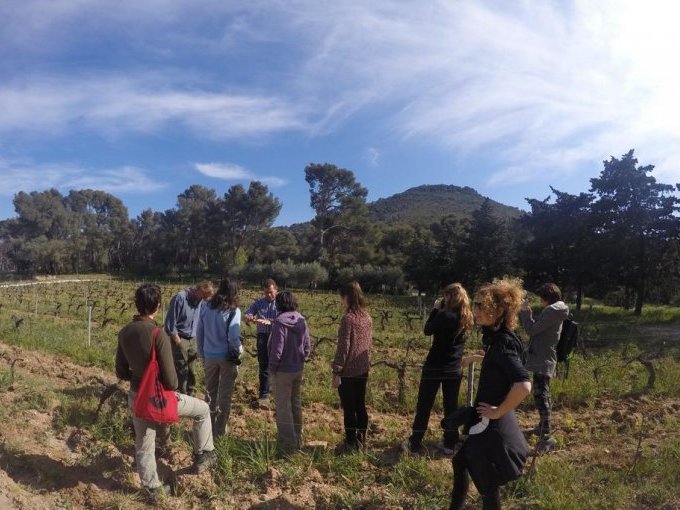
(618, 240)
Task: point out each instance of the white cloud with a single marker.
(222, 171)
(232, 172)
(542, 87)
(24, 176)
(537, 86)
(132, 105)
(371, 156)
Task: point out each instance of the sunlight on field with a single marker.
(613, 428)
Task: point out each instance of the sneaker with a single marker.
(546, 444)
(158, 493)
(445, 450)
(407, 448)
(204, 461)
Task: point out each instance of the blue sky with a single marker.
(144, 98)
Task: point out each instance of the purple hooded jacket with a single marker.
(289, 344)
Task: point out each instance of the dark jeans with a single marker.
(185, 356)
(263, 362)
(491, 494)
(430, 381)
(352, 392)
(543, 402)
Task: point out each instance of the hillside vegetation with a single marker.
(430, 203)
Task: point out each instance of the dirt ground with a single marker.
(44, 466)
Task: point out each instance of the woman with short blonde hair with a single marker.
(495, 451)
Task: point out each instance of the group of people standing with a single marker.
(205, 324)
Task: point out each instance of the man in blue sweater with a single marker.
(180, 325)
(263, 312)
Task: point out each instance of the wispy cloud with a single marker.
(231, 172)
(371, 157)
(23, 176)
(129, 105)
(537, 86)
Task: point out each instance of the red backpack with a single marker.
(153, 402)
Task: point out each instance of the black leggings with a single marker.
(431, 379)
(491, 495)
(352, 392)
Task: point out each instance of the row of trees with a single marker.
(619, 239)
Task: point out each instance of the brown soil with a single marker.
(43, 465)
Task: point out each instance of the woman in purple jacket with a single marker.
(289, 347)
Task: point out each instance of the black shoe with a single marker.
(158, 493)
(204, 461)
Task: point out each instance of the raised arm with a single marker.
(545, 321)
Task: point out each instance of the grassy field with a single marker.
(618, 436)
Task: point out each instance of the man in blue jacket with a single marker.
(263, 312)
(180, 325)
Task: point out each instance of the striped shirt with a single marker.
(263, 309)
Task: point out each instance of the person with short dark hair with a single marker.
(289, 347)
(133, 354)
(263, 312)
(180, 325)
(218, 336)
(351, 365)
(544, 333)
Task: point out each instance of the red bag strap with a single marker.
(154, 339)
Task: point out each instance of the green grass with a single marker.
(377, 478)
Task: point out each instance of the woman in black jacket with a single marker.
(449, 321)
(495, 450)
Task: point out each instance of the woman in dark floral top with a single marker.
(351, 364)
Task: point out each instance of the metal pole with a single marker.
(470, 383)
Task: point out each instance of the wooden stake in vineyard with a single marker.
(89, 326)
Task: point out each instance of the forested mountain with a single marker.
(428, 203)
(619, 240)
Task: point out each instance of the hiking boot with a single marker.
(204, 461)
(159, 493)
(546, 444)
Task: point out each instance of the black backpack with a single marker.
(568, 339)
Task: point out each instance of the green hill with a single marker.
(428, 203)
